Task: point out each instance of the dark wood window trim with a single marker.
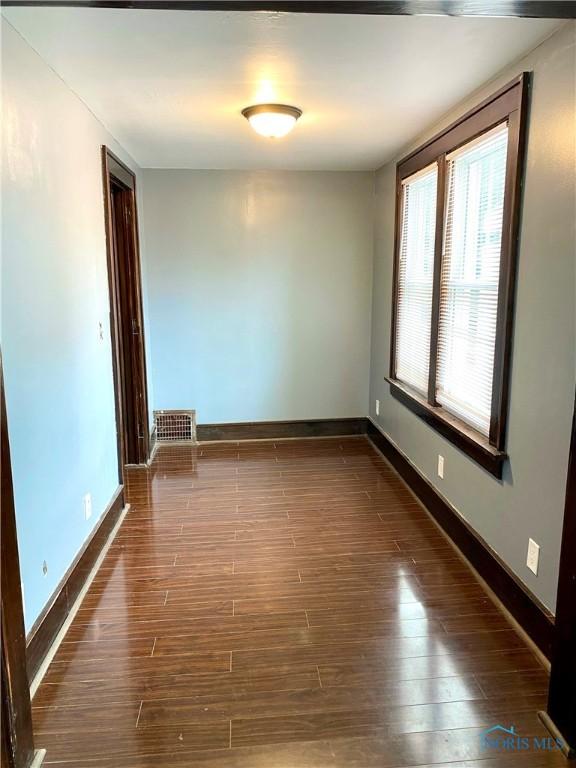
(457, 432)
(509, 104)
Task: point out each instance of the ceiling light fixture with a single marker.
(272, 120)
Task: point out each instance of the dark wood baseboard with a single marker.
(261, 430)
(48, 624)
(534, 619)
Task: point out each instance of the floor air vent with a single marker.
(175, 426)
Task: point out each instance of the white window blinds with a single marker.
(415, 277)
(476, 175)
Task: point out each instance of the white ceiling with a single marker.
(169, 85)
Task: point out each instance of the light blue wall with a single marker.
(58, 372)
(529, 502)
(259, 292)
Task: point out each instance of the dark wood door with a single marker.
(126, 311)
(562, 696)
(17, 738)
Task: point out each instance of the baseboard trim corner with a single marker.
(49, 622)
(38, 760)
(263, 430)
(568, 752)
(524, 608)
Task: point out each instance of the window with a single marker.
(415, 271)
(457, 222)
(470, 276)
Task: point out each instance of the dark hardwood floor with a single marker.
(285, 605)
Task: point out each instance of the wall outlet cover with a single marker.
(533, 556)
(441, 466)
(87, 506)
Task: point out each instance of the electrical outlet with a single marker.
(44, 568)
(441, 466)
(87, 506)
(377, 407)
(533, 556)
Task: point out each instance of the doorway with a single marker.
(126, 323)
(561, 710)
(16, 738)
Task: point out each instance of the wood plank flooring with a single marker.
(284, 605)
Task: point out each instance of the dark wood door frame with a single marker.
(561, 711)
(126, 315)
(547, 9)
(17, 746)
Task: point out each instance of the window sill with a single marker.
(459, 434)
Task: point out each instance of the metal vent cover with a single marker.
(175, 426)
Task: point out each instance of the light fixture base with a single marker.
(272, 120)
(277, 109)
